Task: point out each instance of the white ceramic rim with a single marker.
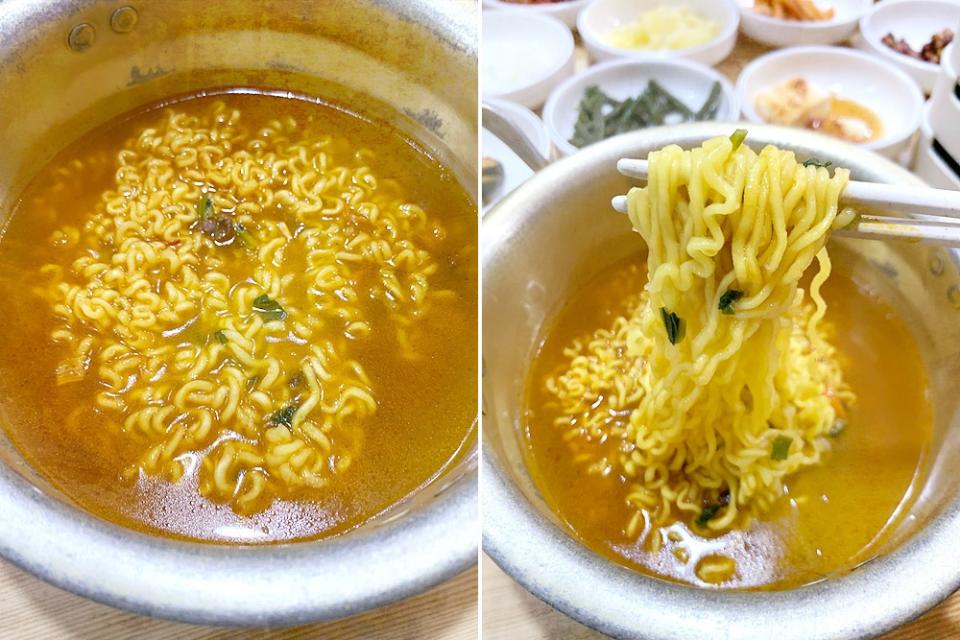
(542, 138)
(925, 149)
(592, 39)
(885, 141)
(943, 104)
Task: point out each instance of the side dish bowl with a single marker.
(603, 15)
(557, 232)
(943, 110)
(524, 56)
(688, 81)
(515, 172)
(915, 21)
(778, 32)
(846, 73)
(75, 64)
(933, 163)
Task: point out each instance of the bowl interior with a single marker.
(688, 82)
(410, 64)
(848, 74)
(521, 50)
(547, 240)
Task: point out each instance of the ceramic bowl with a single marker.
(915, 21)
(687, 81)
(524, 56)
(777, 32)
(847, 73)
(515, 171)
(601, 16)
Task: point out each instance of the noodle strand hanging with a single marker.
(722, 372)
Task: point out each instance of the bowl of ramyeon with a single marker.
(239, 251)
(718, 413)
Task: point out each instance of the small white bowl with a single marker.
(524, 56)
(565, 11)
(915, 21)
(847, 73)
(777, 32)
(689, 82)
(928, 163)
(943, 108)
(953, 52)
(515, 170)
(601, 16)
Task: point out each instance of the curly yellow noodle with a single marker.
(158, 313)
(697, 420)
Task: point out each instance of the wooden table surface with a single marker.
(510, 612)
(33, 610)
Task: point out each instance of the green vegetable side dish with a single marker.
(269, 308)
(600, 116)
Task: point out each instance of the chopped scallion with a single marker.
(284, 416)
(220, 336)
(269, 308)
(205, 207)
(710, 511)
(244, 236)
(781, 448)
(737, 138)
(673, 324)
(727, 299)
